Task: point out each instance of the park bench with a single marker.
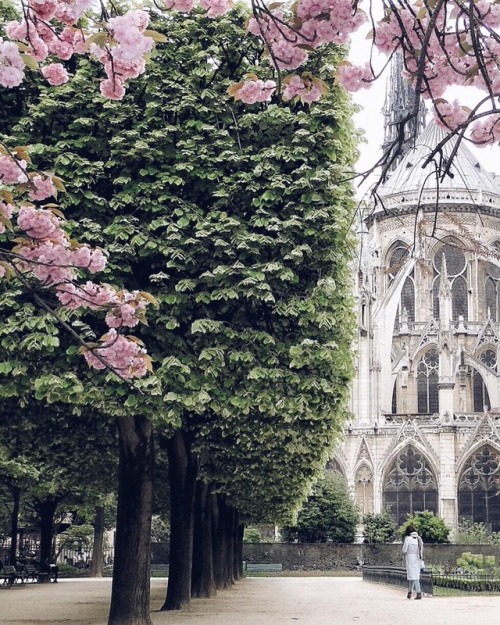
(30, 573)
(158, 570)
(251, 567)
(10, 575)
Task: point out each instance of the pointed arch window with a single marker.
(456, 270)
(427, 383)
(492, 287)
(397, 258)
(479, 489)
(480, 391)
(363, 488)
(410, 485)
(394, 406)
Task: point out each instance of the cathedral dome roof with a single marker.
(468, 183)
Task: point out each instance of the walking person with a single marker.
(413, 549)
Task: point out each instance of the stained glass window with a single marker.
(427, 383)
(456, 269)
(479, 489)
(492, 287)
(481, 396)
(410, 485)
(396, 261)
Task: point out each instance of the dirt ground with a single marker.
(253, 601)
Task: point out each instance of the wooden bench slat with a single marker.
(263, 568)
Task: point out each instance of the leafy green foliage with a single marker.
(469, 533)
(431, 528)
(251, 535)
(238, 220)
(329, 514)
(379, 528)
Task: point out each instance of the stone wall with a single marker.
(348, 557)
(339, 557)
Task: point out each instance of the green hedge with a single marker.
(471, 585)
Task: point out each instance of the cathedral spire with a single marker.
(399, 101)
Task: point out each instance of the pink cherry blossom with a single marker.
(11, 65)
(450, 115)
(89, 295)
(216, 8)
(253, 91)
(112, 88)
(12, 170)
(302, 88)
(55, 74)
(354, 78)
(42, 187)
(40, 224)
(122, 354)
(182, 6)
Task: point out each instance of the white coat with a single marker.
(413, 549)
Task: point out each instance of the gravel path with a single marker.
(254, 601)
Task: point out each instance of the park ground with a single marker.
(252, 601)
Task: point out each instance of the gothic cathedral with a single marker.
(425, 433)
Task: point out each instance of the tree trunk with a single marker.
(202, 579)
(220, 549)
(46, 510)
(182, 476)
(238, 549)
(14, 523)
(230, 531)
(97, 549)
(130, 594)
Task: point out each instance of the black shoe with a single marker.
(408, 596)
(419, 595)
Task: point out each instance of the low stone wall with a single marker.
(339, 557)
(346, 557)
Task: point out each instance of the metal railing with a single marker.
(396, 576)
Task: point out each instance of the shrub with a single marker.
(329, 514)
(431, 528)
(379, 528)
(469, 533)
(251, 535)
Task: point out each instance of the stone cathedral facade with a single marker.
(425, 433)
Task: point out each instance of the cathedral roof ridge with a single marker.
(467, 181)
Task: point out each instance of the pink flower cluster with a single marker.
(303, 88)
(450, 115)
(486, 131)
(214, 8)
(125, 356)
(49, 27)
(11, 65)
(126, 59)
(42, 187)
(12, 170)
(55, 74)
(46, 252)
(254, 90)
(354, 78)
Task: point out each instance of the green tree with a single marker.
(329, 514)
(431, 528)
(379, 528)
(239, 221)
